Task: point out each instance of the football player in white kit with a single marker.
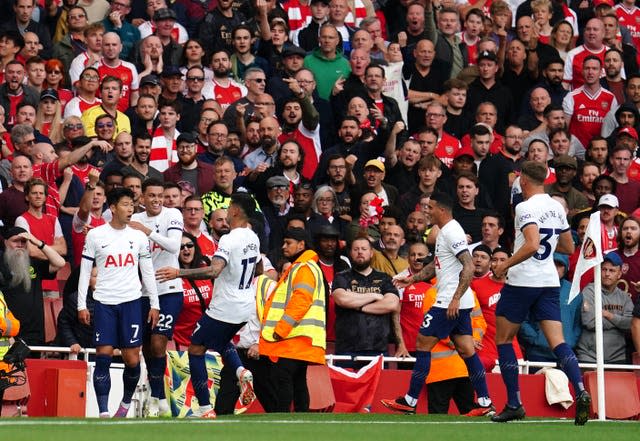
(533, 289)
(232, 304)
(450, 314)
(163, 226)
(118, 253)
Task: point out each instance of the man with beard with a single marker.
(13, 92)
(628, 239)
(388, 260)
(613, 80)
(217, 133)
(326, 241)
(551, 81)
(12, 201)
(22, 281)
(301, 124)
(373, 177)
(365, 301)
(341, 179)
(292, 62)
(143, 115)
(302, 201)
(189, 168)
(293, 323)
(123, 148)
(356, 152)
(139, 166)
(499, 171)
(266, 155)
(276, 209)
(223, 88)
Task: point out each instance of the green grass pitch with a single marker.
(312, 427)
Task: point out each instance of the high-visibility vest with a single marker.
(263, 289)
(9, 327)
(312, 324)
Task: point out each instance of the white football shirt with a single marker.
(548, 215)
(451, 241)
(118, 255)
(233, 299)
(164, 243)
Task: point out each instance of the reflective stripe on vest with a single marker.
(312, 324)
(263, 288)
(4, 341)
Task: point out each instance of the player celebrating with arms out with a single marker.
(450, 314)
(533, 288)
(232, 304)
(163, 227)
(119, 253)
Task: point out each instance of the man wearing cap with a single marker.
(372, 181)
(608, 208)
(586, 107)
(164, 14)
(116, 21)
(22, 281)
(292, 61)
(488, 88)
(112, 65)
(277, 208)
(151, 85)
(616, 315)
(189, 168)
(166, 29)
(293, 323)
(566, 168)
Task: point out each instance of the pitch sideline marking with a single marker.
(95, 421)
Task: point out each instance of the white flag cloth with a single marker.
(590, 253)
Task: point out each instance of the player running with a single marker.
(232, 304)
(163, 227)
(119, 252)
(533, 288)
(450, 314)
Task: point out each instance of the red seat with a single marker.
(635, 359)
(52, 308)
(622, 401)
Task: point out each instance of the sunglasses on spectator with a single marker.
(57, 72)
(106, 125)
(73, 126)
(90, 77)
(195, 78)
(258, 80)
(187, 245)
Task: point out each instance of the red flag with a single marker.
(354, 390)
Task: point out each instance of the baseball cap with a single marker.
(464, 151)
(277, 181)
(609, 200)
(630, 131)
(565, 161)
(487, 55)
(171, 71)
(49, 93)
(150, 79)
(293, 50)
(614, 258)
(165, 14)
(375, 163)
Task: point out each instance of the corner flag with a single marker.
(590, 253)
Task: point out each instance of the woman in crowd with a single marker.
(55, 80)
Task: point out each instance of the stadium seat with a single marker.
(14, 401)
(321, 397)
(622, 401)
(635, 359)
(52, 308)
